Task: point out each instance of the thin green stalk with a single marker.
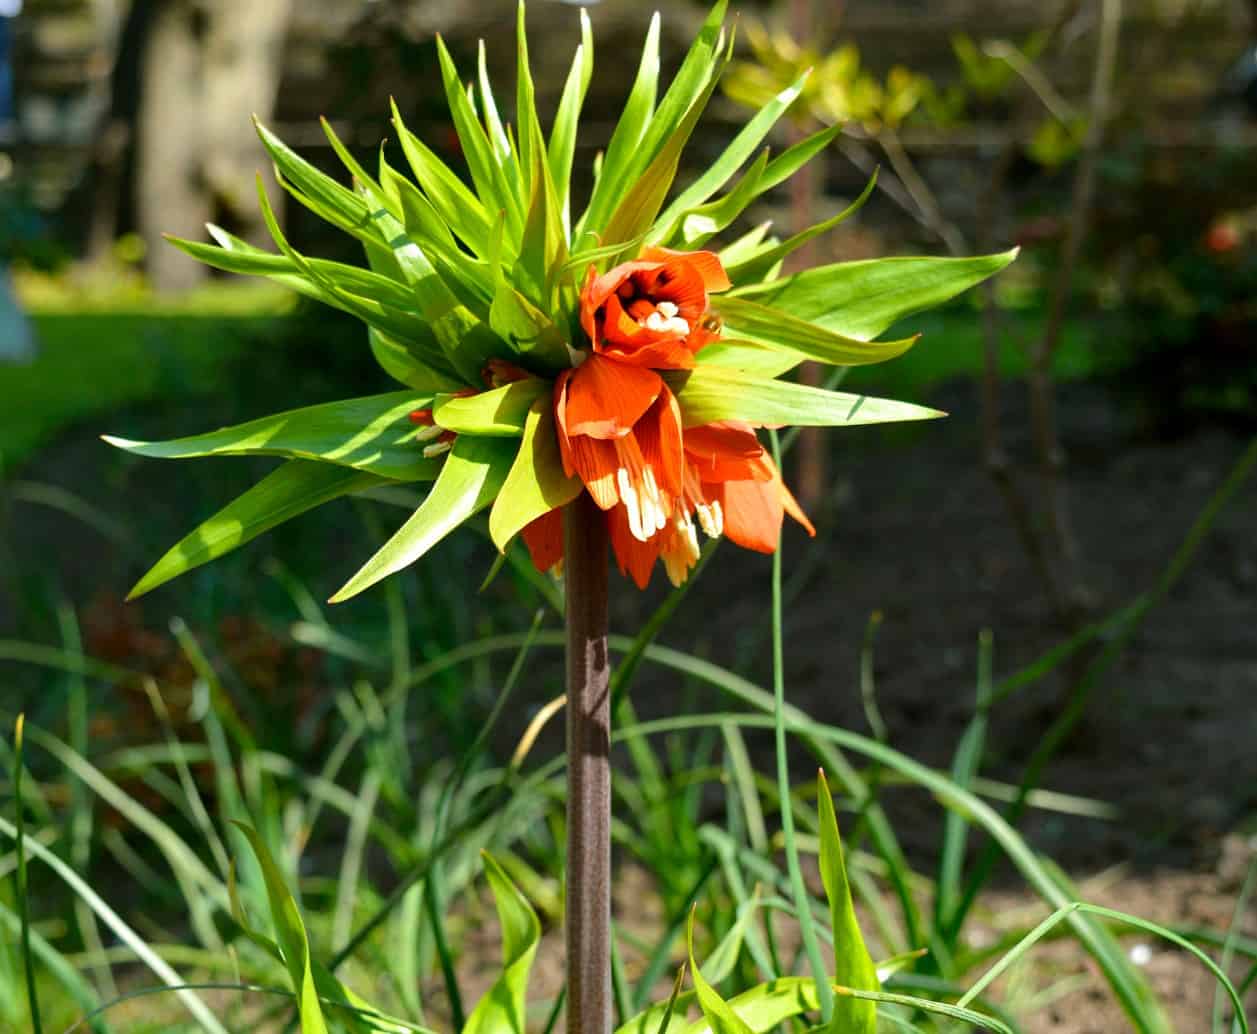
(23, 900)
(799, 888)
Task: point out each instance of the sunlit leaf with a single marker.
(709, 393)
(853, 966)
(503, 1008)
(500, 412)
(372, 433)
(862, 299)
(470, 477)
(536, 483)
(290, 490)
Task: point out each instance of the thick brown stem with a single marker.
(588, 912)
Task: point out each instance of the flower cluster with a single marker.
(620, 432)
(629, 352)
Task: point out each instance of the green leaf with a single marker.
(250, 261)
(853, 966)
(486, 172)
(697, 225)
(862, 299)
(749, 321)
(500, 412)
(503, 1008)
(563, 132)
(372, 434)
(470, 478)
(739, 150)
(709, 393)
(536, 483)
(287, 492)
(640, 204)
(459, 207)
(748, 357)
(291, 934)
(687, 94)
(719, 1015)
(407, 364)
(627, 133)
(318, 191)
(759, 266)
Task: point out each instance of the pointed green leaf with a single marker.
(408, 364)
(291, 935)
(503, 1008)
(697, 225)
(853, 966)
(627, 133)
(256, 262)
(499, 412)
(739, 150)
(674, 119)
(563, 133)
(372, 434)
(746, 246)
(486, 173)
(498, 140)
(719, 1015)
(287, 492)
(536, 483)
(322, 194)
(528, 330)
(749, 321)
(862, 299)
(749, 357)
(470, 478)
(459, 207)
(709, 393)
(640, 205)
(760, 266)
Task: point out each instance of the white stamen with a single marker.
(436, 449)
(426, 434)
(669, 309)
(711, 518)
(653, 498)
(632, 504)
(665, 324)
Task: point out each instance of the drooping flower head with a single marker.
(630, 352)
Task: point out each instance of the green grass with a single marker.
(99, 356)
(377, 832)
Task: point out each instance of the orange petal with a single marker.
(795, 510)
(752, 513)
(726, 451)
(544, 539)
(595, 461)
(635, 559)
(706, 263)
(658, 435)
(605, 398)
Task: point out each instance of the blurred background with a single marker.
(1101, 391)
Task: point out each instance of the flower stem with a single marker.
(588, 912)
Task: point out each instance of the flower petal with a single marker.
(706, 263)
(752, 513)
(726, 451)
(605, 398)
(636, 559)
(658, 435)
(544, 539)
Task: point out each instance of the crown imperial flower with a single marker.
(626, 353)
